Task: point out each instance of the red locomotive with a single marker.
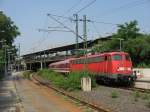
(109, 66)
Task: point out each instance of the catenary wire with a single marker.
(86, 6)
(73, 7)
(69, 10)
(125, 6)
(62, 24)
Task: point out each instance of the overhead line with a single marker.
(43, 39)
(55, 27)
(126, 6)
(64, 25)
(59, 16)
(62, 16)
(74, 6)
(86, 6)
(39, 42)
(96, 29)
(53, 30)
(104, 22)
(88, 20)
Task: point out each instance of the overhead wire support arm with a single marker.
(69, 18)
(51, 16)
(73, 7)
(103, 22)
(56, 27)
(45, 30)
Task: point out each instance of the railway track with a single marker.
(137, 89)
(143, 90)
(91, 105)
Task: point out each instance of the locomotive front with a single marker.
(122, 67)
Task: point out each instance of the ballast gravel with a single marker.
(116, 100)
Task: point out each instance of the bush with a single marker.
(1, 72)
(1, 76)
(114, 94)
(136, 95)
(27, 74)
(146, 96)
(70, 82)
(54, 77)
(148, 103)
(143, 65)
(74, 80)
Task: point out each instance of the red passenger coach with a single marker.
(61, 66)
(108, 66)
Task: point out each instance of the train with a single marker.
(107, 66)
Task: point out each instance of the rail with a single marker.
(91, 105)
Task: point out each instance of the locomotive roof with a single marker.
(95, 55)
(102, 54)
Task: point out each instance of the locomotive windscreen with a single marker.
(117, 57)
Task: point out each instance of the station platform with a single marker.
(143, 74)
(143, 77)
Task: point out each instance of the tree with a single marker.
(104, 46)
(8, 30)
(127, 30)
(139, 50)
(135, 43)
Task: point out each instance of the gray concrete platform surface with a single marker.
(9, 100)
(143, 74)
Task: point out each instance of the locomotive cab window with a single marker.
(117, 57)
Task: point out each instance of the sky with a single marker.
(31, 15)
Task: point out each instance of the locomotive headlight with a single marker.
(129, 68)
(124, 68)
(121, 68)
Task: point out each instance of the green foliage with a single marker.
(135, 43)
(8, 30)
(70, 82)
(54, 77)
(148, 103)
(27, 74)
(136, 95)
(109, 45)
(1, 63)
(139, 50)
(127, 30)
(146, 96)
(73, 81)
(1, 75)
(114, 94)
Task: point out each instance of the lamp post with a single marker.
(120, 42)
(4, 41)
(10, 52)
(8, 61)
(120, 39)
